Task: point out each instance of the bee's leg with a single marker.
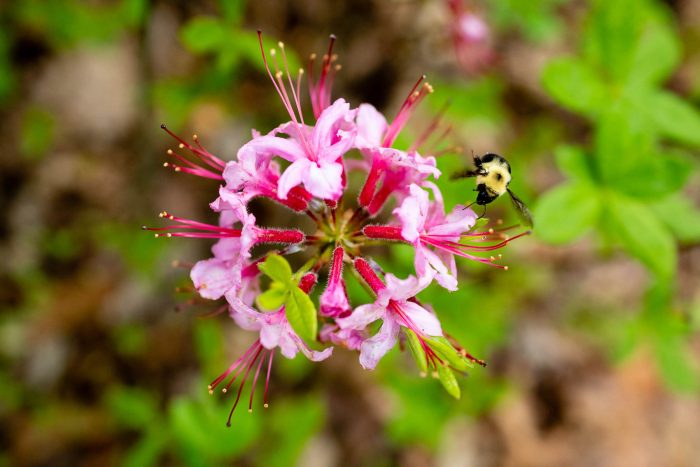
(468, 205)
(482, 214)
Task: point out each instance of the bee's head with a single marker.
(483, 197)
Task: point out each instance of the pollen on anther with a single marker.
(435, 374)
(280, 44)
(266, 405)
(169, 152)
(166, 164)
(211, 391)
(250, 410)
(505, 268)
(224, 390)
(312, 57)
(181, 146)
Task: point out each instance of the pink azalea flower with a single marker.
(423, 222)
(395, 169)
(275, 331)
(251, 176)
(315, 153)
(438, 238)
(395, 308)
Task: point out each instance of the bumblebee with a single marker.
(493, 175)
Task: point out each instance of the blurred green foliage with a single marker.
(626, 188)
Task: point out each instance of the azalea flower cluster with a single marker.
(303, 165)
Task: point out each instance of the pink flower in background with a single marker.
(303, 166)
(471, 37)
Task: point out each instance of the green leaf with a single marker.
(417, 351)
(680, 215)
(447, 352)
(37, 132)
(131, 407)
(574, 162)
(276, 268)
(677, 366)
(273, 298)
(148, 449)
(623, 136)
(575, 85)
(301, 314)
(449, 382)
(292, 423)
(566, 212)
(642, 234)
(673, 117)
(657, 54)
(203, 34)
(611, 32)
(199, 428)
(655, 176)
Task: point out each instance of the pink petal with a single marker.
(327, 125)
(268, 146)
(292, 177)
(286, 342)
(213, 277)
(326, 181)
(371, 126)
(361, 317)
(442, 273)
(227, 248)
(403, 289)
(315, 355)
(426, 322)
(458, 221)
(413, 212)
(373, 349)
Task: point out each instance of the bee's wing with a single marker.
(464, 174)
(523, 211)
